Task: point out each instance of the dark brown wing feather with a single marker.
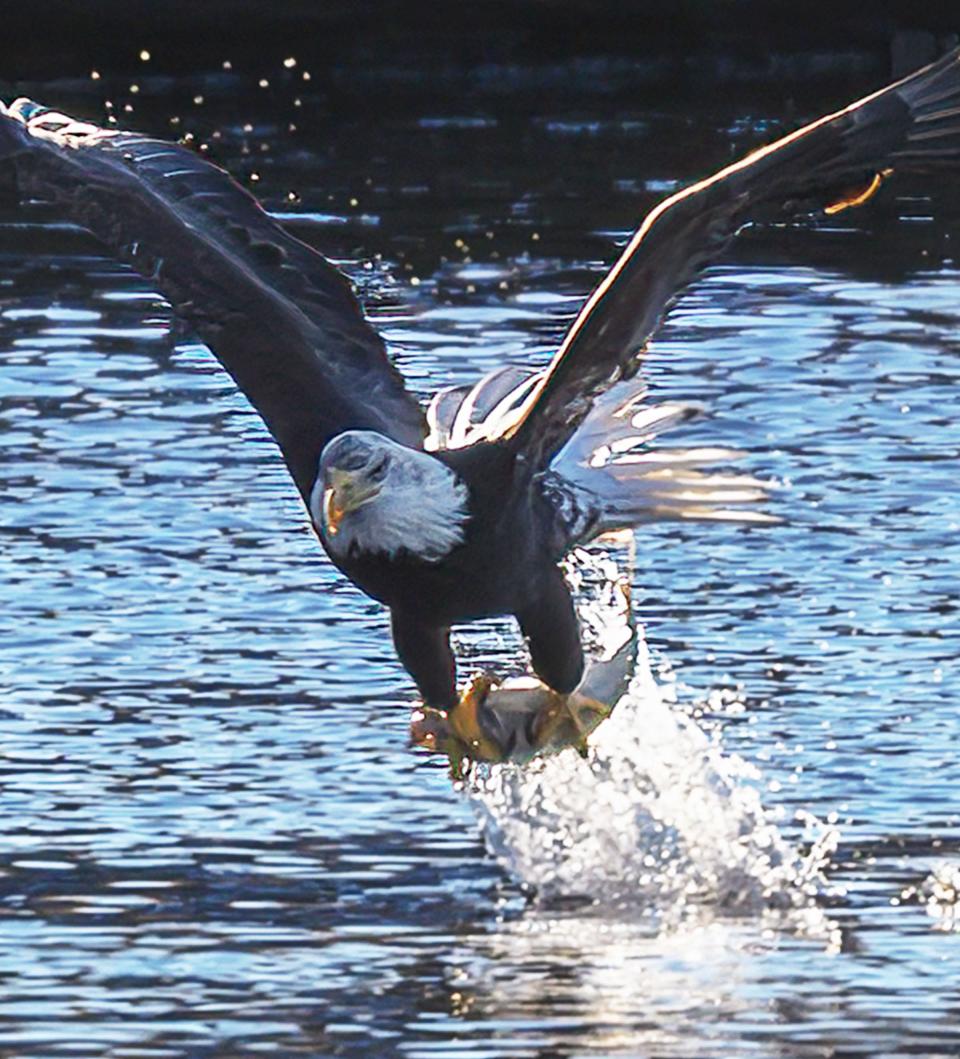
(280, 318)
(911, 125)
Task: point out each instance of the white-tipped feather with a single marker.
(612, 455)
(679, 457)
(664, 485)
(464, 415)
(614, 458)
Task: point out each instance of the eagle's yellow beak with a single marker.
(345, 492)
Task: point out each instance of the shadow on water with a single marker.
(215, 839)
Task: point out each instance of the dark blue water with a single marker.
(215, 839)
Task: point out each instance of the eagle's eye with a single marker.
(378, 471)
(350, 457)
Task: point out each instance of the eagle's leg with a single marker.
(552, 630)
(425, 652)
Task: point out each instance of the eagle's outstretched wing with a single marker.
(912, 125)
(280, 318)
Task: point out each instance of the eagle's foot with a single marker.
(475, 691)
(563, 711)
(469, 739)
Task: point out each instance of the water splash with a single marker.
(939, 893)
(657, 814)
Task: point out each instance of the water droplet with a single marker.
(144, 55)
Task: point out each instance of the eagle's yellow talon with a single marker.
(476, 690)
(464, 723)
(566, 709)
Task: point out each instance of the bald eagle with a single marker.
(464, 511)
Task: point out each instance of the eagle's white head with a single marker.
(373, 495)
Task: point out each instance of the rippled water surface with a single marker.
(215, 839)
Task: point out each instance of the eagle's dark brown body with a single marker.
(285, 324)
(506, 565)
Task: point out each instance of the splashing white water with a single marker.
(656, 814)
(940, 893)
